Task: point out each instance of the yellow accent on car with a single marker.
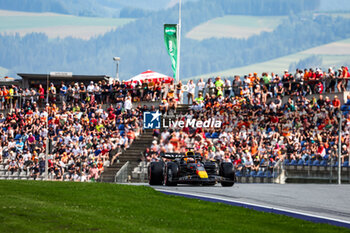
(202, 174)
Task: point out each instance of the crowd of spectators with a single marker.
(101, 92)
(301, 83)
(258, 128)
(83, 137)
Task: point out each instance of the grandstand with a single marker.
(275, 129)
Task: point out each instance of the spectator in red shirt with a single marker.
(41, 92)
(319, 74)
(319, 87)
(336, 102)
(345, 75)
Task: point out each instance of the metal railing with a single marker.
(112, 93)
(318, 172)
(142, 174)
(122, 174)
(279, 173)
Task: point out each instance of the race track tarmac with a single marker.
(327, 201)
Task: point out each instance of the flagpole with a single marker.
(179, 45)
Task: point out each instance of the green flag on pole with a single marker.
(170, 33)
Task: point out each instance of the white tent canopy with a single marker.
(150, 75)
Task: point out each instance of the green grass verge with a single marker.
(29, 206)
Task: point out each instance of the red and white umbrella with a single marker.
(150, 75)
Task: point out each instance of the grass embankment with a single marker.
(30, 206)
(234, 26)
(57, 25)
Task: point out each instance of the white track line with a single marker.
(257, 205)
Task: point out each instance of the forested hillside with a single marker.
(100, 8)
(140, 44)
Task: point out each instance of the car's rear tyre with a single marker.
(155, 173)
(171, 173)
(227, 171)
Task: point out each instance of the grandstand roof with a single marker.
(69, 78)
(29, 79)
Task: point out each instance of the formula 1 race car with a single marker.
(189, 169)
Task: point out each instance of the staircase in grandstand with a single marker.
(133, 155)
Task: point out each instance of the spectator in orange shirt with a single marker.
(131, 135)
(306, 75)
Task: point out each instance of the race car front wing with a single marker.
(196, 179)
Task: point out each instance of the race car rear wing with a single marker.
(180, 155)
(172, 155)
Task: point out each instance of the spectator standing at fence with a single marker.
(237, 82)
(331, 79)
(63, 92)
(191, 91)
(266, 78)
(298, 75)
(201, 86)
(247, 80)
(4, 97)
(41, 93)
(287, 80)
(219, 83)
(82, 91)
(345, 75)
(104, 90)
(90, 88)
(179, 91)
(11, 94)
(210, 86)
(97, 93)
(70, 93)
(227, 87)
(76, 93)
(52, 93)
(26, 93)
(255, 80)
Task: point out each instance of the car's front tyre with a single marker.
(155, 173)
